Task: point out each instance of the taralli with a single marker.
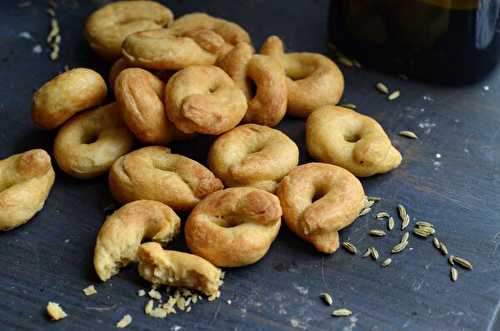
(25, 183)
(65, 95)
(318, 200)
(172, 268)
(204, 99)
(164, 49)
(123, 231)
(88, 144)
(313, 80)
(108, 27)
(154, 173)
(253, 155)
(231, 32)
(139, 95)
(234, 227)
(351, 140)
(267, 104)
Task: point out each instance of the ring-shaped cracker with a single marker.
(253, 155)
(88, 144)
(318, 200)
(351, 140)
(234, 227)
(154, 173)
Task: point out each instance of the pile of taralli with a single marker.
(175, 79)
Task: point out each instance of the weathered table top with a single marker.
(451, 176)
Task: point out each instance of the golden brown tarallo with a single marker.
(165, 49)
(107, 27)
(88, 144)
(156, 174)
(25, 183)
(65, 95)
(356, 142)
(204, 99)
(253, 155)
(172, 268)
(318, 201)
(139, 95)
(234, 227)
(193, 39)
(267, 101)
(313, 80)
(123, 231)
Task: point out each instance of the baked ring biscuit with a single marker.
(123, 231)
(65, 95)
(172, 268)
(154, 173)
(234, 227)
(268, 102)
(88, 144)
(204, 99)
(313, 80)
(351, 140)
(166, 49)
(107, 27)
(139, 94)
(253, 155)
(25, 183)
(319, 200)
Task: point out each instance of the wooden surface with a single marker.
(50, 257)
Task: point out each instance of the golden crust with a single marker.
(139, 95)
(65, 95)
(154, 173)
(234, 227)
(341, 198)
(123, 231)
(267, 104)
(351, 140)
(164, 49)
(107, 27)
(204, 99)
(231, 32)
(174, 268)
(313, 80)
(25, 183)
(88, 144)
(253, 155)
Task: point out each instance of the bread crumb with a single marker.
(90, 290)
(55, 311)
(141, 293)
(154, 294)
(124, 322)
(154, 312)
(229, 302)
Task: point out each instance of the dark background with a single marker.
(50, 258)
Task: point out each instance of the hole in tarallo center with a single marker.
(318, 195)
(90, 138)
(252, 88)
(352, 138)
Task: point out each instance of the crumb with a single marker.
(55, 311)
(24, 4)
(89, 290)
(438, 156)
(25, 35)
(486, 88)
(141, 293)
(124, 322)
(154, 294)
(229, 302)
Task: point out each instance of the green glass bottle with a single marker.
(445, 41)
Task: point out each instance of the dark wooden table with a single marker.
(450, 175)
